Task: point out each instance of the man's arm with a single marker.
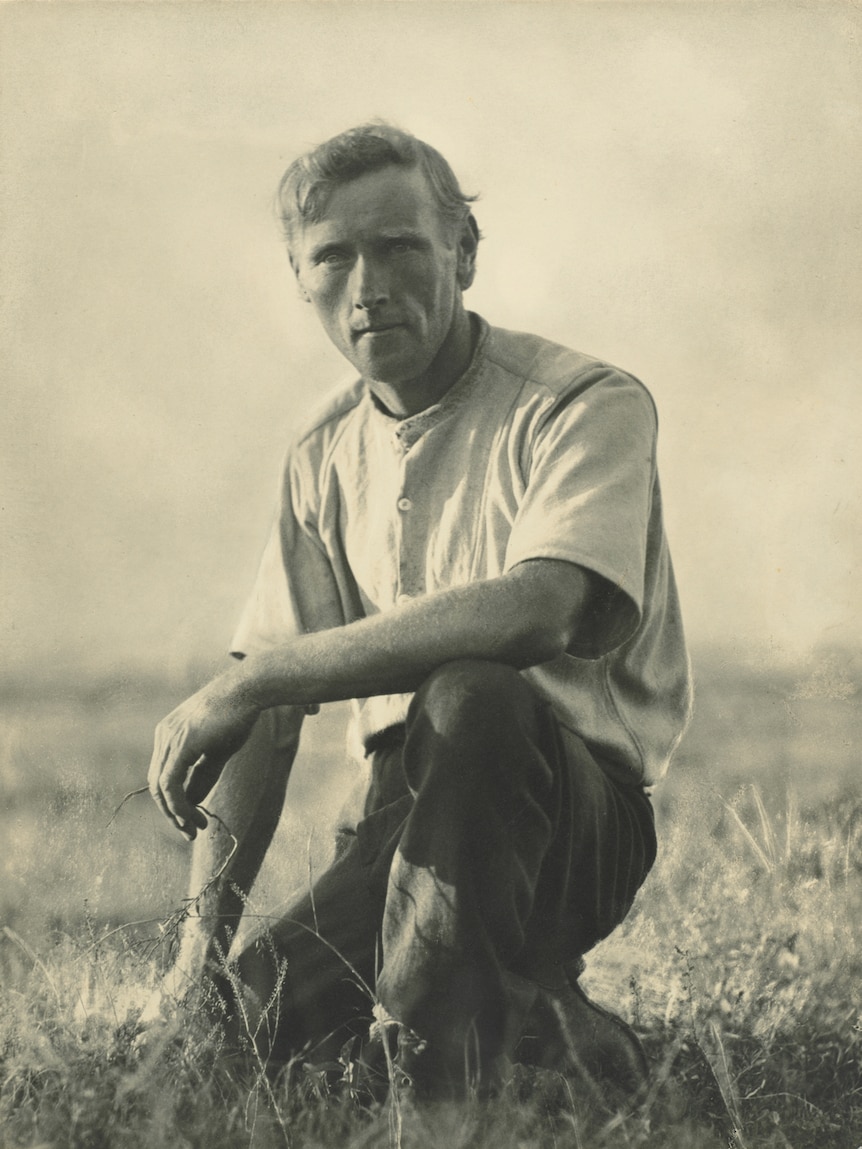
(528, 616)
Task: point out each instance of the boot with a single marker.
(570, 1034)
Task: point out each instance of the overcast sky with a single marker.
(675, 188)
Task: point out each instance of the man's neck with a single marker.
(414, 395)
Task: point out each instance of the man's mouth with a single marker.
(375, 329)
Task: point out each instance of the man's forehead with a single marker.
(389, 197)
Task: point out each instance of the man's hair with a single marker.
(307, 184)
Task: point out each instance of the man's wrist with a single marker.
(240, 689)
(257, 683)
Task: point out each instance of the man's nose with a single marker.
(370, 287)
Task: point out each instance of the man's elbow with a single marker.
(540, 641)
(549, 610)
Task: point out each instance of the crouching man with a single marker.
(470, 546)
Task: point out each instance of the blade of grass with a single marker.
(765, 825)
(749, 837)
(715, 1053)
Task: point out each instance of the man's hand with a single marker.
(192, 746)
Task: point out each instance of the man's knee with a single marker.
(477, 729)
(471, 693)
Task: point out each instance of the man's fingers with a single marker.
(168, 770)
(182, 813)
(154, 776)
(179, 808)
(156, 795)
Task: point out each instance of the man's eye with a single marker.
(332, 258)
(399, 246)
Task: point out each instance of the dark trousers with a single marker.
(493, 844)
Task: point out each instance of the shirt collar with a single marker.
(408, 431)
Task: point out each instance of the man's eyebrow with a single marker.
(404, 233)
(319, 249)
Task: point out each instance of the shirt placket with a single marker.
(408, 505)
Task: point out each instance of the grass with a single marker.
(740, 965)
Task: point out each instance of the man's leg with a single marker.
(305, 984)
(519, 854)
(604, 848)
(480, 759)
(248, 800)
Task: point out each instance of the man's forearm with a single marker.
(522, 619)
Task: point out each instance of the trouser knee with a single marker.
(478, 729)
(469, 693)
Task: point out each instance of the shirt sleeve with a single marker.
(296, 590)
(589, 480)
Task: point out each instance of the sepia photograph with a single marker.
(431, 516)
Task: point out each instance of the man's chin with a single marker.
(391, 371)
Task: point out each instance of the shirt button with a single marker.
(405, 504)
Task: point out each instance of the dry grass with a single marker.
(740, 965)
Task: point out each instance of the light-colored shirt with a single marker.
(537, 452)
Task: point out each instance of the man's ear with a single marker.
(468, 242)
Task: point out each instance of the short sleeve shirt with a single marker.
(537, 452)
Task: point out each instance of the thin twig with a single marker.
(131, 794)
(172, 923)
(228, 859)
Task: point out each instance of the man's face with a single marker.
(382, 271)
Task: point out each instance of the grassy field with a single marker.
(740, 966)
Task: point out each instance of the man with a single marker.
(470, 547)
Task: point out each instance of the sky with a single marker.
(671, 187)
